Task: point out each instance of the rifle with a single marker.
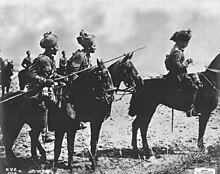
(64, 77)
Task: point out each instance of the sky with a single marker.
(119, 26)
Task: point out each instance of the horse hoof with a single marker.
(136, 153)
(148, 153)
(201, 148)
(94, 163)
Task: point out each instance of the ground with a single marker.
(174, 152)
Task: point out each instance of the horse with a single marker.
(6, 73)
(160, 91)
(17, 108)
(22, 78)
(93, 109)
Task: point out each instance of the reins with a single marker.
(210, 83)
(127, 91)
(213, 70)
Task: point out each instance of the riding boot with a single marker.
(192, 111)
(46, 135)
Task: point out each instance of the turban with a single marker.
(48, 40)
(86, 40)
(183, 35)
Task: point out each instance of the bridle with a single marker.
(128, 79)
(104, 92)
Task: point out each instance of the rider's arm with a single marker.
(24, 63)
(33, 72)
(178, 62)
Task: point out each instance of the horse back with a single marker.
(13, 106)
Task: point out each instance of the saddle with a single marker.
(183, 82)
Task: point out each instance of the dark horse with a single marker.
(22, 77)
(6, 73)
(92, 108)
(16, 110)
(159, 91)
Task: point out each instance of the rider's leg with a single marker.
(193, 91)
(46, 135)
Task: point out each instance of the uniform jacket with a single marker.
(41, 69)
(79, 61)
(177, 63)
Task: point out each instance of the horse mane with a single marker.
(215, 63)
(112, 65)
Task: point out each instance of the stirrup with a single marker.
(81, 126)
(192, 112)
(47, 137)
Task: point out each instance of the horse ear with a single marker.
(131, 55)
(98, 62)
(125, 58)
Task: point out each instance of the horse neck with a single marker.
(213, 72)
(114, 70)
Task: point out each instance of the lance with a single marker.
(124, 55)
(58, 79)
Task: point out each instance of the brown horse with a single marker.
(92, 108)
(159, 91)
(16, 110)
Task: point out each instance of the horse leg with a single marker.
(3, 90)
(203, 120)
(144, 123)
(7, 87)
(43, 157)
(135, 127)
(70, 145)
(57, 149)
(95, 130)
(9, 137)
(34, 134)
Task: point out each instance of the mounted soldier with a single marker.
(177, 66)
(40, 76)
(63, 63)
(81, 60)
(27, 61)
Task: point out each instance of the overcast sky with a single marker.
(120, 26)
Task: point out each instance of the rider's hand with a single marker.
(189, 61)
(49, 82)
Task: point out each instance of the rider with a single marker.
(81, 58)
(63, 63)
(40, 75)
(177, 65)
(27, 60)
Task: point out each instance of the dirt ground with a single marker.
(174, 152)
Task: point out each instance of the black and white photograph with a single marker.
(109, 87)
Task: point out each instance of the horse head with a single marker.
(124, 70)
(103, 80)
